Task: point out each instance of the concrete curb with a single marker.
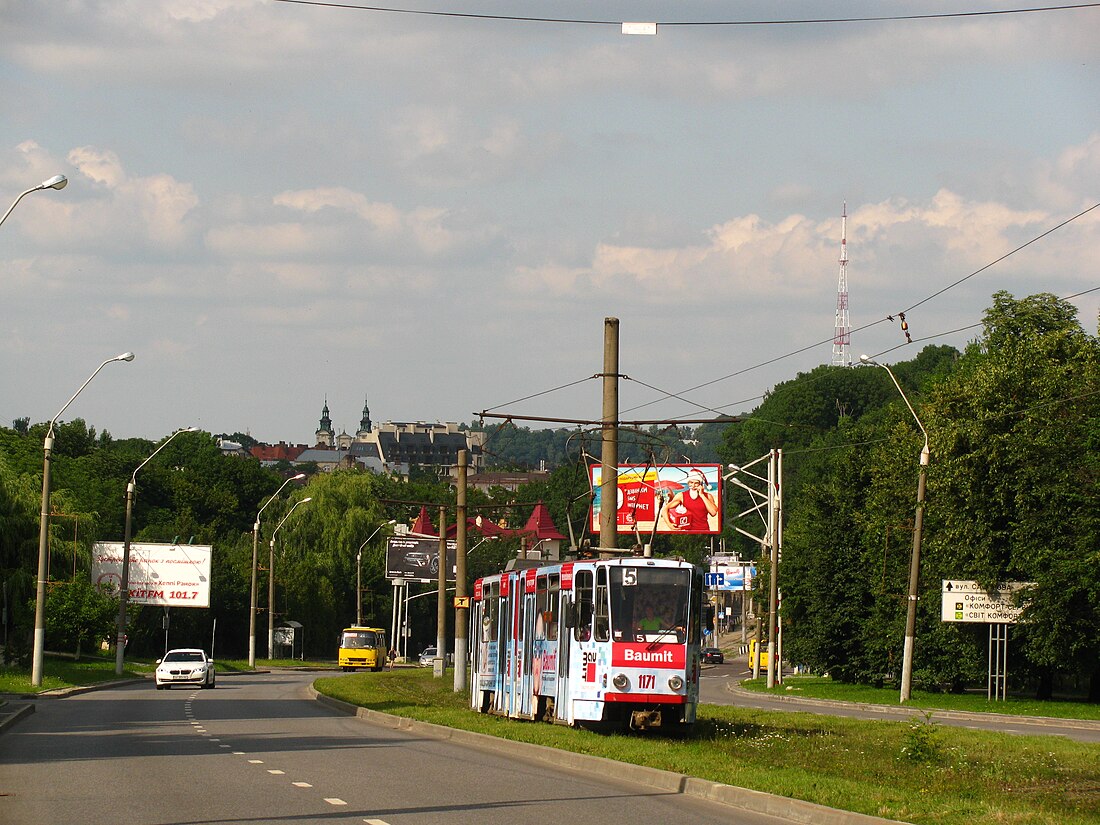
(10, 717)
(789, 810)
(904, 713)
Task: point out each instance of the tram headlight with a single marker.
(620, 681)
(676, 682)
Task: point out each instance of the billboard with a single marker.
(417, 559)
(729, 573)
(172, 575)
(676, 498)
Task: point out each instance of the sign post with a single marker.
(968, 601)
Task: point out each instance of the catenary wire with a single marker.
(688, 23)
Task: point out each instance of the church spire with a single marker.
(364, 423)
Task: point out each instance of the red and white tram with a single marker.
(603, 642)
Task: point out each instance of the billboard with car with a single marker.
(417, 559)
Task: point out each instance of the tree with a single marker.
(1018, 425)
(77, 613)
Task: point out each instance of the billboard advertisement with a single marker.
(676, 498)
(417, 559)
(729, 573)
(171, 575)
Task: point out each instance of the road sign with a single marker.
(968, 601)
(714, 579)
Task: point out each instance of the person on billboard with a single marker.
(688, 511)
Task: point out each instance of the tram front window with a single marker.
(649, 604)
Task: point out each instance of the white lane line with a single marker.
(332, 800)
(376, 822)
(301, 785)
(238, 753)
(276, 772)
(255, 761)
(225, 746)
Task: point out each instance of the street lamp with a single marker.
(124, 589)
(271, 580)
(56, 182)
(44, 525)
(255, 548)
(358, 570)
(914, 561)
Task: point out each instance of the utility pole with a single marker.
(461, 613)
(609, 449)
(441, 600)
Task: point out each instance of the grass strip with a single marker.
(917, 771)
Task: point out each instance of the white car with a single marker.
(427, 656)
(185, 666)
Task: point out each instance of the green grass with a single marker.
(822, 687)
(60, 672)
(915, 772)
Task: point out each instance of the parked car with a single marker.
(427, 656)
(713, 656)
(184, 666)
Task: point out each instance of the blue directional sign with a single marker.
(714, 579)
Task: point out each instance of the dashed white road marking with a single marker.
(376, 822)
(276, 772)
(255, 761)
(301, 785)
(332, 800)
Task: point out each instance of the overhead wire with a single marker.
(691, 23)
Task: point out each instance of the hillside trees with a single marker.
(1019, 426)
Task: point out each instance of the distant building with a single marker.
(268, 454)
(395, 447)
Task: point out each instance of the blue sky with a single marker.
(272, 204)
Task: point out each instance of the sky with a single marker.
(275, 204)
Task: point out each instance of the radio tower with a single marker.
(842, 337)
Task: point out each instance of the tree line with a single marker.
(1013, 422)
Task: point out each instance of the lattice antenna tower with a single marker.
(842, 337)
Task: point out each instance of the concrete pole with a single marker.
(609, 448)
(441, 600)
(462, 614)
(252, 599)
(38, 658)
(914, 576)
(773, 547)
(271, 599)
(124, 590)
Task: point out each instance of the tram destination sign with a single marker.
(968, 601)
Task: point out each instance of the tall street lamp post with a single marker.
(56, 182)
(358, 572)
(271, 580)
(44, 526)
(255, 549)
(124, 589)
(914, 561)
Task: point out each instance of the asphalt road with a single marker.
(258, 749)
(719, 686)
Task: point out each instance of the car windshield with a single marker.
(185, 656)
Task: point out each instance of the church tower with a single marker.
(325, 433)
(364, 424)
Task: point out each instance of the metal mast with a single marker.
(842, 337)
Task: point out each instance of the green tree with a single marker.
(1018, 426)
(78, 614)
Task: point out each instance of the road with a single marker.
(258, 749)
(719, 687)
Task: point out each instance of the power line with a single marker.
(688, 23)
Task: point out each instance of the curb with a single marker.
(789, 810)
(904, 712)
(9, 718)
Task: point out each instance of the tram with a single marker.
(602, 643)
